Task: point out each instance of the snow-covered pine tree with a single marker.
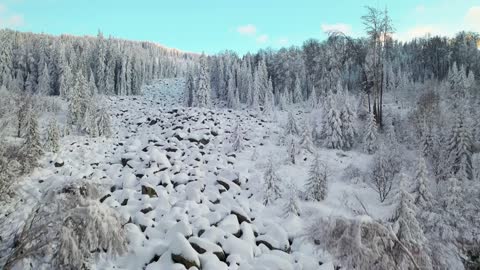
(78, 100)
(66, 82)
(291, 149)
(306, 141)
(317, 184)
(297, 92)
(459, 149)
(189, 90)
(347, 117)
(271, 184)
(104, 123)
(89, 122)
(232, 93)
(421, 194)
(291, 128)
(32, 147)
(410, 234)
(44, 87)
(255, 98)
(291, 206)
(333, 125)
(92, 88)
(237, 138)
(312, 99)
(269, 102)
(53, 136)
(202, 93)
(370, 135)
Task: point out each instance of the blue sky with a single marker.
(247, 25)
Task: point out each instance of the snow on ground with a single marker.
(187, 200)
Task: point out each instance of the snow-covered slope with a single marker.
(186, 199)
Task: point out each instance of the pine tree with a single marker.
(269, 102)
(53, 136)
(460, 149)
(66, 82)
(297, 92)
(291, 150)
(232, 93)
(291, 205)
(422, 196)
(312, 100)
(202, 93)
(306, 142)
(78, 100)
(32, 146)
(189, 90)
(317, 183)
(44, 82)
(237, 138)
(92, 88)
(410, 234)
(291, 127)
(271, 184)
(89, 122)
(370, 135)
(104, 124)
(348, 126)
(333, 126)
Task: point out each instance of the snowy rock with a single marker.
(183, 253)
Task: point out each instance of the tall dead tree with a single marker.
(378, 26)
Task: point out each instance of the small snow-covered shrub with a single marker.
(66, 229)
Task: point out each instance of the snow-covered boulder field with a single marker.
(186, 199)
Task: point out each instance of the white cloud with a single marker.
(262, 39)
(12, 21)
(472, 19)
(338, 27)
(420, 31)
(248, 29)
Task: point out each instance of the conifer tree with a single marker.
(312, 100)
(370, 135)
(269, 103)
(44, 82)
(306, 142)
(291, 206)
(297, 92)
(53, 136)
(32, 146)
(202, 93)
(291, 149)
(271, 184)
(189, 90)
(422, 196)
(104, 123)
(410, 234)
(92, 88)
(317, 183)
(333, 126)
(237, 138)
(291, 127)
(348, 126)
(459, 149)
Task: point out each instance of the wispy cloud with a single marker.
(9, 19)
(472, 19)
(338, 27)
(283, 41)
(262, 39)
(248, 29)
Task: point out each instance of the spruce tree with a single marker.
(44, 87)
(348, 126)
(422, 196)
(202, 93)
(271, 184)
(460, 149)
(53, 136)
(291, 127)
(370, 135)
(237, 138)
(291, 149)
(32, 147)
(291, 206)
(333, 126)
(317, 183)
(104, 123)
(410, 234)
(306, 142)
(312, 100)
(297, 92)
(269, 103)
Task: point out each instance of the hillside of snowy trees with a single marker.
(345, 153)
